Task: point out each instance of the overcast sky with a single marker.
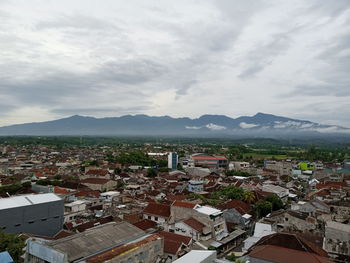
(180, 58)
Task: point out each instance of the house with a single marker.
(146, 225)
(174, 245)
(337, 239)
(159, 213)
(260, 231)
(108, 196)
(195, 186)
(99, 184)
(237, 212)
(281, 192)
(74, 209)
(181, 210)
(193, 228)
(285, 248)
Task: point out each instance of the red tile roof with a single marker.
(99, 172)
(285, 255)
(173, 242)
(145, 224)
(114, 252)
(95, 181)
(184, 204)
(240, 206)
(291, 241)
(329, 185)
(156, 209)
(59, 190)
(88, 193)
(195, 224)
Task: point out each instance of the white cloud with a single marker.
(244, 125)
(214, 127)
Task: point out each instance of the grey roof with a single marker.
(338, 226)
(26, 200)
(197, 256)
(96, 239)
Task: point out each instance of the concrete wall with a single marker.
(146, 253)
(41, 219)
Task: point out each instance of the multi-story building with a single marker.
(40, 214)
(172, 161)
(211, 161)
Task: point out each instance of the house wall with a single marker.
(336, 241)
(147, 253)
(292, 223)
(157, 219)
(185, 230)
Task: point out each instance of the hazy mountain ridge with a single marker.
(259, 125)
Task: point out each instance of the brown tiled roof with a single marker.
(328, 185)
(173, 242)
(175, 237)
(156, 209)
(240, 206)
(95, 181)
(285, 255)
(195, 224)
(178, 197)
(88, 193)
(132, 218)
(59, 190)
(99, 172)
(184, 204)
(145, 224)
(291, 241)
(100, 221)
(171, 246)
(114, 252)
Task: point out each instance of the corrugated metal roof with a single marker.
(26, 200)
(5, 257)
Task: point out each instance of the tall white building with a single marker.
(172, 161)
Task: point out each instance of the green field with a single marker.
(261, 156)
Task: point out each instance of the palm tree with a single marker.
(248, 196)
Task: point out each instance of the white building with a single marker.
(172, 161)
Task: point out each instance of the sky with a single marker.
(179, 58)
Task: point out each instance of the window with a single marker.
(149, 217)
(43, 219)
(56, 216)
(30, 222)
(17, 225)
(156, 218)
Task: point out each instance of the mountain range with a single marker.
(259, 125)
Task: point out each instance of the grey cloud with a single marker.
(76, 22)
(334, 80)
(133, 71)
(95, 110)
(262, 55)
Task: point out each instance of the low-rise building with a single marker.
(122, 242)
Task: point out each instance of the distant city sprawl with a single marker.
(106, 199)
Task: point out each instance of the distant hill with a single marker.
(259, 125)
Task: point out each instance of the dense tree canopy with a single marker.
(12, 244)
